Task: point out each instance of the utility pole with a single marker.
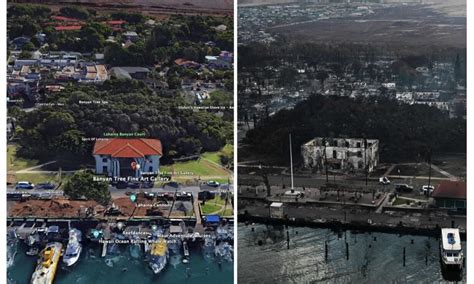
(429, 169)
(291, 164)
(365, 161)
(326, 160)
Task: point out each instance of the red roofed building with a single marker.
(127, 157)
(450, 194)
(186, 63)
(65, 19)
(67, 28)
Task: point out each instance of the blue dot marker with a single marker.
(154, 227)
(133, 197)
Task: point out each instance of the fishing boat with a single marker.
(452, 256)
(185, 252)
(224, 251)
(36, 239)
(74, 247)
(224, 233)
(158, 255)
(135, 248)
(12, 241)
(47, 264)
(209, 247)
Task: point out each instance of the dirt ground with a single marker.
(63, 208)
(59, 208)
(400, 26)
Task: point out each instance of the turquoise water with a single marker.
(93, 269)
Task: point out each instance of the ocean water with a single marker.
(125, 268)
(263, 257)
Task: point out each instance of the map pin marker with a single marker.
(133, 197)
(95, 233)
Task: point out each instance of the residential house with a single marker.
(130, 35)
(130, 72)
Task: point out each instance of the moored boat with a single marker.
(452, 256)
(158, 255)
(74, 247)
(47, 264)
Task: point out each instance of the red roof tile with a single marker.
(115, 22)
(65, 19)
(67, 28)
(128, 148)
(450, 189)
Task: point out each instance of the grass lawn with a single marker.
(205, 166)
(37, 178)
(227, 150)
(14, 163)
(217, 200)
(219, 97)
(227, 212)
(198, 167)
(209, 208)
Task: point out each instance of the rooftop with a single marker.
(127, 148)
(450, 189)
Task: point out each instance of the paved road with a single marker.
(121, 192)
(318, 181)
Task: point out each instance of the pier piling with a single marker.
(347, 250)
(404, 257)
(326, 250)
(287, 239)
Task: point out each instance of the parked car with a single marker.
(427, 189)
(24, 185)
(121, 185)
(212, 183)
(384, 181)
(403, 188)
(45, 185)
(134, 185)
(148, 184)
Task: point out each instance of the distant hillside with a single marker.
(263, 2)
(200, 4)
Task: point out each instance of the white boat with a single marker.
(12, 242)
(158, 255)
(452, 256)
(224, 251)
(185, 252)
(47, 264)
(74, 248)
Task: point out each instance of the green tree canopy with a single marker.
(82, 184)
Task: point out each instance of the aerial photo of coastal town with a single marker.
(351, 141)
(120, 141)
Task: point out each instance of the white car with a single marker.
(384, 181)
(427, 189)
